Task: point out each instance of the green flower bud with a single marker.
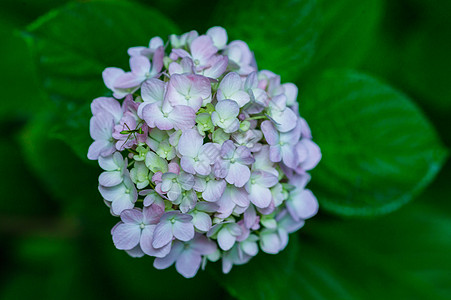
(219, 136)
(165, 150)
(142, 151)
(245, 125)
(167, 61)
(268, 221)
(204, 123)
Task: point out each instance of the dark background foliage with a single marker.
(369, 240)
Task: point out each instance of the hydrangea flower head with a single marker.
(204, 156)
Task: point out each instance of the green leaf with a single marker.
(281, 33)
(379, 150)
(51, 267)
(129, 274)
(26, 11)
(412, 51)
(18, 83)
(347, 29)
(74, 44)
(18, 177)
(404, 255)
(61, 172)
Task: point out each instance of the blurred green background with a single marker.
(55, 235)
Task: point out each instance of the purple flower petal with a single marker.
(227, 109)
(126, 236)
(121, 204)
(250, 248)
(168, 260)
(237, 195)
(101, 126)
(110, 75)
(140, 65)
(112, 163)
(285, 120)
(270, 241)
(218, 65)
(188, 89)
(225, 239)
(218, 36)
(188, 263)
(305, 129)
(301, 151)
(109, 105)
(267, 179)
(314, 154)
(136, 51)
(230, 84)
(202, 49)
(238, 174)
(128, 81)
(250, 217)
(190, 143)
(162, 234)
(260, 196)
(154, 117)
(226, 206)
(275, 153)
(187, 164)
(100, 148)
(152, 90)
(157, 61)
(135, 252)
(146, 243)
(152, 214)
(183, 231)
(270, 132)
(213, 190)
(289, 156)
(183, 117)
(288, 223)
(305, 204)
(132, 216)
(201, 221)
(203, 245)
(291, 92)
(109, 179)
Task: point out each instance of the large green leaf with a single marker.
(18, 178)
(130, 273)
(412, 51)
(347, 28)
(282, 33)
(61, 172)
(401, 256)
(51, 267)
(20, 88)
(25, 11)
(74, 44)
(379, 151)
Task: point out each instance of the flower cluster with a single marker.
(204, 156)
